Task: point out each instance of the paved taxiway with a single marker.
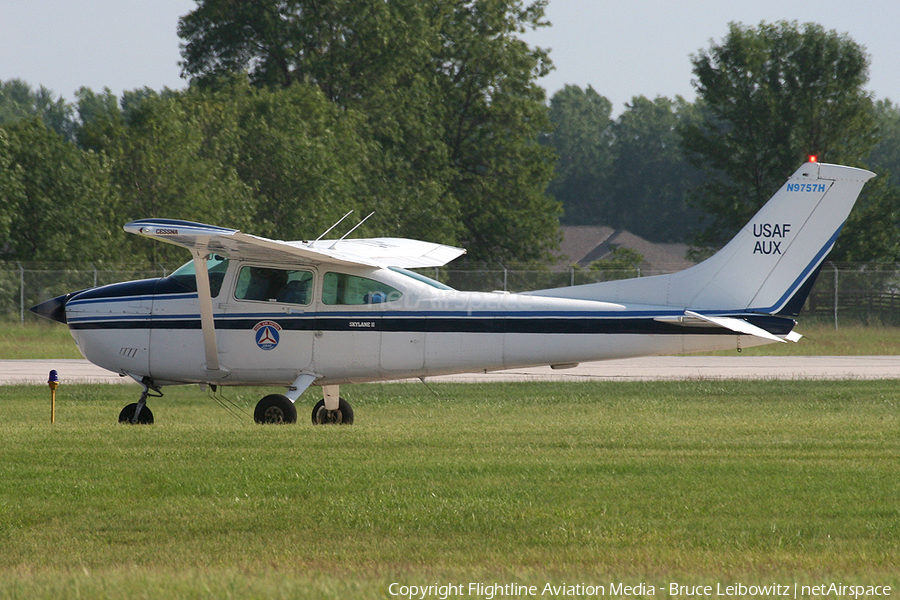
(632, 369)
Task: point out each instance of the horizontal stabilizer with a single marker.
(693, 319)
(739, 326)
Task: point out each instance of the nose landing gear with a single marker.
(137, 413)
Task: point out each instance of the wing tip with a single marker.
(152, 227)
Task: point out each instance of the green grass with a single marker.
(43, 340)
(52, 340)
(822, 339)
(596, 483)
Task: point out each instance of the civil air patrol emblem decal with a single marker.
(267, 334)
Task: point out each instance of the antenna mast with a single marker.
(351, 231)
(335, 225)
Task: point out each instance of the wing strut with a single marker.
(207, 323)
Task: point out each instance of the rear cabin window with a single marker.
(274, 285)
(341, 288)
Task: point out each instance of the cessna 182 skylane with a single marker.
(253, 311)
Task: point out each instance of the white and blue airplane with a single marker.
(249, 311)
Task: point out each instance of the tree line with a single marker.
(432, 117)
(768, 98)
(428, 114)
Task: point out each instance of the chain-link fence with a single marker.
(24, 285)
(856, 293)
(849, 293)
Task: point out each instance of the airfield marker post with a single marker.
(53, 382)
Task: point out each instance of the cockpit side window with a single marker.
(274, 285)
(341, 288)
(216, 266)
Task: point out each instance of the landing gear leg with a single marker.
(137, 413)
(332, 409)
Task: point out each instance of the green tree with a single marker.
(872, 231)
(160, 165)
(62, 200)
(19, 101)
(283, 163)
(582, 138)
(650, 178)
(628, 173)
(494, 116)
(297, 153)
(769, 97)
(885, 156)
(12, 192)
(622, 263)
(451, 109)
(351, 49)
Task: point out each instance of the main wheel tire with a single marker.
(275, 409)
(342, 416)
(127, 415)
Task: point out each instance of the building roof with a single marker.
(583, 245)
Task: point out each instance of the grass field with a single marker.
(693, 482)
(43, 340)
(52, 340)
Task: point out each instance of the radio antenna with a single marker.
(332, 227)
(351, 231)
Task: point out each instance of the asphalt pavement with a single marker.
(654, 368)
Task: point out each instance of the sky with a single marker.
(620, 48)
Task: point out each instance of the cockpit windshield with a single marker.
(216, 266)
(424, 279)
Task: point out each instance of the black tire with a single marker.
(127, 414)
(342, 416)
(275, 409)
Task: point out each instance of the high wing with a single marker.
(372, 252)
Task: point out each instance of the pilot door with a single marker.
(264, 322)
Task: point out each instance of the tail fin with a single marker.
(767, 266)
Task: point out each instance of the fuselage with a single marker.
(355, 324)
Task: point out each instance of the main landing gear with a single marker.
(137, 413)
(332, 409)
(273, 409)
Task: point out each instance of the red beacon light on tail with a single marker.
(813, 158)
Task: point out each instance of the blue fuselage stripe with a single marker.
(499, 323)
(637, 321)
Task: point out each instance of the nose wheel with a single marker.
(137, 413)
(144, 415)
(343, 415)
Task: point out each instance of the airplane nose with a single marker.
(53, 309)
